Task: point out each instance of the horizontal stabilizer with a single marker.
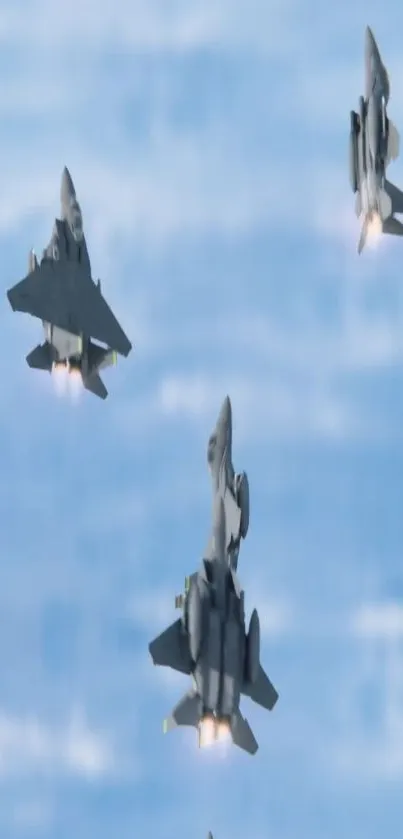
(42, 357)
(95, 385)
(396, 198)
(393, 227)
(262, 691)
(185, 713)
(393, 142)
(242, 735)
(170, 649)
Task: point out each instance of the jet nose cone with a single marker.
(67, 191)
(371, 47)
(226, 412)
(369, 35)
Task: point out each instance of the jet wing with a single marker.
(63, 294)
(170, 649)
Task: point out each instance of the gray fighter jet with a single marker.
(374, 142)
(210, 643)
(61, 292)
(231, 487)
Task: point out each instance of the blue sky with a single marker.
(208, 145)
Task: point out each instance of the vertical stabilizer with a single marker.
(32, 262)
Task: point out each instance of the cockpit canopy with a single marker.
(76, 221)
(380, 79)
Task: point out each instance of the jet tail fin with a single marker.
(242, 735)
(41, 357)
(32, 261)
(95, 385)
(186, 712)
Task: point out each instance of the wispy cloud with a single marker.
(377, 621)
(148, 25)
(208, 144)
(30, 746)
(284, 407)
(370, 749)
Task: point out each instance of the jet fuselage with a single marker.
(215, 622)
(231, 487)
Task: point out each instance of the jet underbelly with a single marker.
(233, 666)
(207, 671)
(65, 343)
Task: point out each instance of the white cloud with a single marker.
(153, 610)
(370, 748)
(275, 615)
(378, 621)
(28, 746)
(281, 406)
(180, 181)
(148, 25)
(181, 184)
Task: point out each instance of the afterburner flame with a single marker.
(60, 378)
(374, 230)
(212, 731)
(68, 380)
(75, 381)
(207, 732)
(223, 731)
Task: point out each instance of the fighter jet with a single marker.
(231, 487)
(61, 292)
(210, 643)
(374, 142)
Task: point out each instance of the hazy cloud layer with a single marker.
(208, 145)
